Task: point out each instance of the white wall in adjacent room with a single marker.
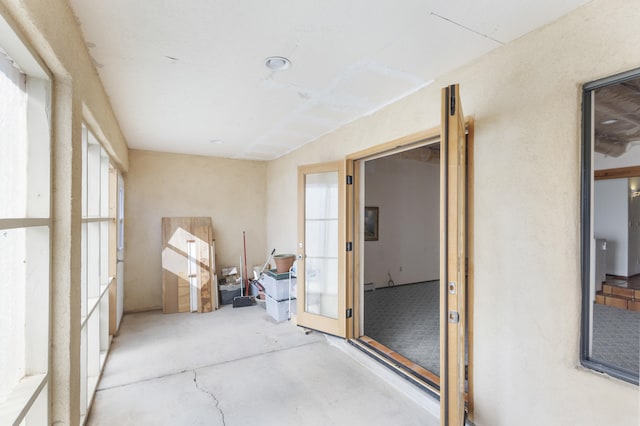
(406, 191)
(634, 227)
(610, 221)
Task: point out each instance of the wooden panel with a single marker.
(215, 303)
(607, 288)
(177, 234)
(634, 305)
(184, 294)
(622, 172)
(169, 292)
(600, 299)
(202, 230)
(636, 294)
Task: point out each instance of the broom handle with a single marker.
(246, 277)
(268, 259)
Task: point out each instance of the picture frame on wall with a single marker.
(371, 223)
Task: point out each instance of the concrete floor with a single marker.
(239, 367)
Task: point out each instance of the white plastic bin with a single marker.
(279, 310)
(278, 289)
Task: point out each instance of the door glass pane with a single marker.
(321, 238)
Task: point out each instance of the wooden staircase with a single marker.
(619, 296)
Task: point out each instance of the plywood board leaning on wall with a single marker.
(187, 264)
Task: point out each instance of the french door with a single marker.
(453, 258)
(325, 259)
(321, 248)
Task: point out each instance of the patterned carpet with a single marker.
(405, 318)
(616, 337)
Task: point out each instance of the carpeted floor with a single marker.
(616, 337)
(406, 319)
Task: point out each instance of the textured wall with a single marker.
(231, 192)
(525, 98)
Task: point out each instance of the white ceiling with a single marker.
(189, 76)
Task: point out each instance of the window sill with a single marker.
(18, 403)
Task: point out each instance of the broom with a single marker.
(242, 300)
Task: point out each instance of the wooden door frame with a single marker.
(453, 259)
(354, 205)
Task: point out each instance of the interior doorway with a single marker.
(401, 267)
(389, 323)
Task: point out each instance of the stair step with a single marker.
(633, 305)
(616, 301)
(623, 291)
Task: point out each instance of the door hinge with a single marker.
(349, 313)
(454, 317)
(349, 246)
(452, 99)
(349, 180)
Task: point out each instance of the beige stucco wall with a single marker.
(231, 192)
(525, 98)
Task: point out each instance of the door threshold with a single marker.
(407, 369)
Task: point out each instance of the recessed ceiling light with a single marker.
(277, 63)
(612, 121)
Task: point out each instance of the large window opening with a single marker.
(24, 234)
(98, 280)
(611, 226)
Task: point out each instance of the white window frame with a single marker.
(97, 274)
(28, 401)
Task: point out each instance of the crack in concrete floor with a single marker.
(195, 380)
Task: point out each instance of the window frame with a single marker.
(97, 276)
(586, 210)
(28, 400)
